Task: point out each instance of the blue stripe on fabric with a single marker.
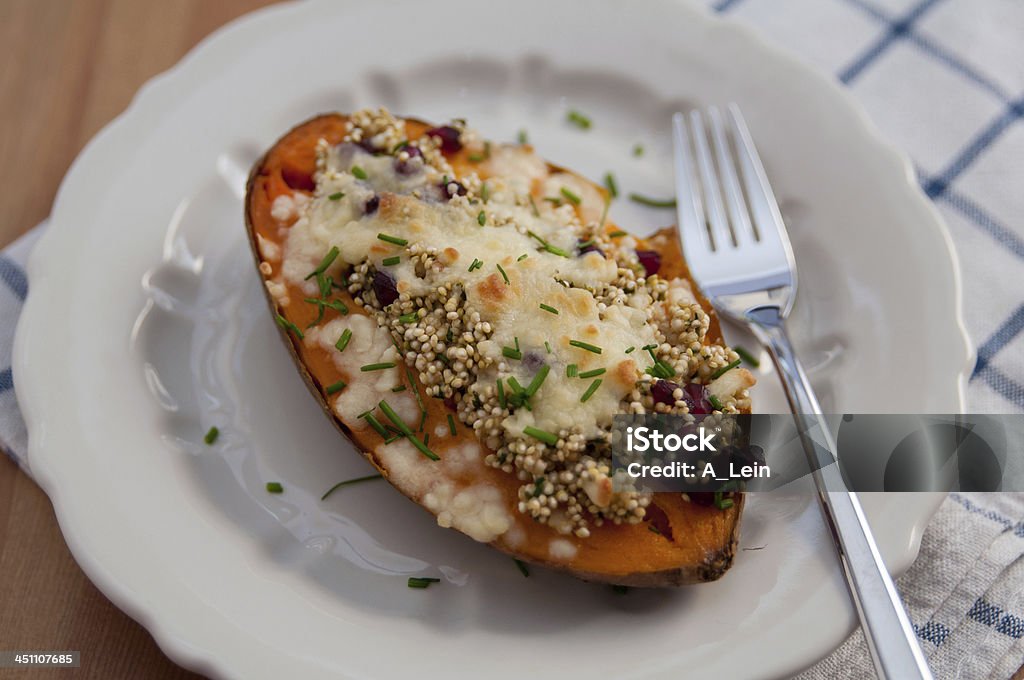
(897, 29)
(990, 615)
(938, 185)
(1011, 625)
(986, 513)
(937, 51)
(14, 277)
(1005, 237)
(932, 632)
(1005, 334)
(1010, 389)
(6, 380)
(725, 5)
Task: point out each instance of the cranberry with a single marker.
(384, 287)
(297, 179)
(662, 392)
(651, 261)
(405, 167)
(371, 204)
(702, 497)
(696, 398)
(449, 191)
(450, 138)
(533, 361)
(450, 404)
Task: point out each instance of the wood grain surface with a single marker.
(67, 67)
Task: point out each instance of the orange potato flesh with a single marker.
(694, 543)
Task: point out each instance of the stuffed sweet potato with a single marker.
(469, 319)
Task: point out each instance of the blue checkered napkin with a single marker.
(944, 80)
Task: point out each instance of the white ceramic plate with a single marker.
(145, 325)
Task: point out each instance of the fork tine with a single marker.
(742, 229)
(689, 208)
(718, 224)
(767, 219)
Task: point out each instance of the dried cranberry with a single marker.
(297, 179)
(662, 392)
(590, 247)
(651, 261)
(453, 188)
(384, 287)
(450, 138)
(371, 204)
(702, 497)
(696, 398)
(450, 404)
(367, 145)
(404, 167)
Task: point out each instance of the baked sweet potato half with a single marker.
(466, 315)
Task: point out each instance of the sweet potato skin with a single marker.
(701, 543)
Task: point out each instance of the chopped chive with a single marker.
(538, 487)
(648, 348)
(289, 326)
(359, 172)
(747, 356)
(406, 430)
(474, 264)
(485, 192)
(336, 196)
(522, 257)
(618, 233)
(501, 395)
(538, 380)
(653, 202)
(511, 353)
(609, 183)
(576, 200)
(523, 137)
(572, 370)
(724, 369)
(514, 384)
(630, 349)
(475, 157)
(653, 529)
(721, 502)
(638, 150)
(590, 390)
(585, 345)
(547, 346)
(451, 424)
(533, 205)
(274, 487)
(329, 258)
(593, 373)
(377, 367)
(553, 200)
(503, 274)
(585, 244)
(548, 308)
(541, 435)
(421, 582)
(522, 567)
(398, 388)
(389, 261)
(211, 435)
(336, 387)
(411, 317)
(426, 439)
(393, 239)
(349, 482)
(604, 212)
(578, 119)
(481, 218)
(375, 424)
(342, 343)
(715, 403)
(401, 145)
(449, 334)
(419, 399)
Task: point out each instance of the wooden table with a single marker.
(66, 69)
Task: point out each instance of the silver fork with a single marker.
(739, 254)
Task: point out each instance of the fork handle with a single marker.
(887, 629)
